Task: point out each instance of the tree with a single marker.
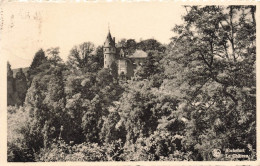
(54, 55)
(38, 59)
(18, 146)
(122, 43)
(152, 68)
(84, 107)
(151, 45)
(110, 131)
(99, 57)
(37, 113)
(130, 46)
(10, 86)
(55, 101)
(37, 65)
(92, 120)
(80, 55)
(136, 110)
(114, 70)
(21, 85)
(212, 60)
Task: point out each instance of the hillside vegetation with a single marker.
(194, 95)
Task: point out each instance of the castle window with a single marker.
(105, 55)
(105, 62)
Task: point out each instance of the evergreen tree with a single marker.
(38, 114)
(21, 85)
(35, 67)
(10, 86)
(38, 59)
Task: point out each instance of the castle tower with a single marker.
(109, 50)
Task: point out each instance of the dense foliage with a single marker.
(190, 97)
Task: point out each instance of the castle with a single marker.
(126, 64)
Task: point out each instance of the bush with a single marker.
(18, 126)
(61, 151)
(159, 146)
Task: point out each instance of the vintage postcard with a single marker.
(128, 83)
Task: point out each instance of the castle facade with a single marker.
(115, 55)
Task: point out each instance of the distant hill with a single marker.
(25, 69)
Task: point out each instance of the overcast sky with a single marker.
(28, 27)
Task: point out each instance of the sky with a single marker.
(27, 27)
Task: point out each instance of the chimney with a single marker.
(114, 39)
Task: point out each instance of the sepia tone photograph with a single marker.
(149, 81)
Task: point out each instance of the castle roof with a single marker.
(138, 54)
(109, 41)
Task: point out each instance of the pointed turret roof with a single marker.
(109, 41)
